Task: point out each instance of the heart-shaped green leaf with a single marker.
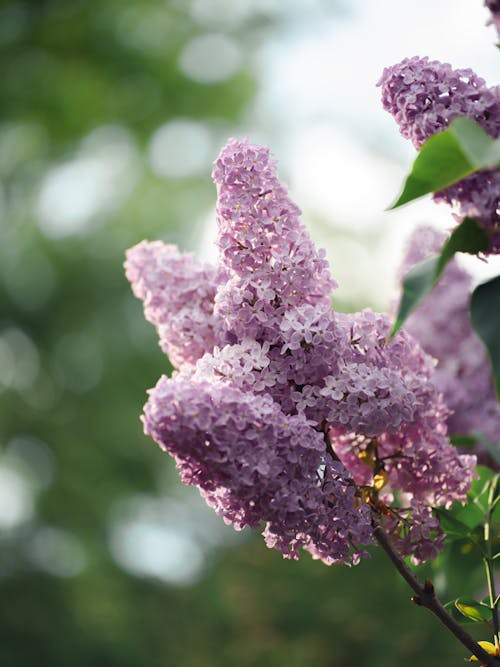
(448, 157)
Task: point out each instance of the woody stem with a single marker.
(426, 597)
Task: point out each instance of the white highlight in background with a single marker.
(180, 148)
(210, 58)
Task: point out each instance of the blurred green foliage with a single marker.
(76, 358)
(252, 609)
(72, 65)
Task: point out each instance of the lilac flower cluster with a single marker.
(273, 264)
(424, 96)
(283, 412)
(178, 295)
(463, 373)
(494, 7)
(253, 463)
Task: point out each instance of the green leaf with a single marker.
(480, 494)
(449, 156)
(463, 440)
(480, 488)
(480, 148)
(468, 237)
(473, 610)
(486, 602)
(455, 614)
(479, 485)
(417, 283)
(485, 317)
(451, 524)
(464, 524)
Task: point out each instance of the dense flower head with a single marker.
(414, 531)
(396, 425)
(424, 96)
(178, 295)
(463, 372)
(272, 261)
(494, 7)
(334, 367)
(255, 464)
(286, 414)
(377, 387)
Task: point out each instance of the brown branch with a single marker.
(425, 594)
(426, 597)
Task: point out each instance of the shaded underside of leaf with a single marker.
(416, 284)
(485, 318)
(468, 237)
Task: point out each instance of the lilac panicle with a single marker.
(394, 433)
(494, 7)
(273, 264)
(254, 465)
(424, 96)
(178, 295)
(415, 531)
(284, 412)
(442, 326)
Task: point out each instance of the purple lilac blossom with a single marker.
(255, 464)
(494, 7)
(285, 412)
(273, 264)
(463, 372)
(415, 531)
(424, 96)
(397, 432)
(178, 295)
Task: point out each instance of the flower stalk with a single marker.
(489, 558)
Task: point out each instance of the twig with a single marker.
(426, 597)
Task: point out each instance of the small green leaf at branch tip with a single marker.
(455, 614)
(473, 610)
(448, 157)
(485, 318)
(468, 237)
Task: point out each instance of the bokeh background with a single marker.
(111, 113)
